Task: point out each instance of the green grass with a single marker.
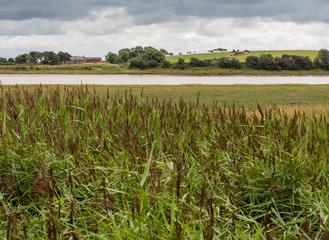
(307, 53)
(80, 164)
(246, 95)
(98, 68)
(201, 56)
(242, 58)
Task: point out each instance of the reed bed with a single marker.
(77, 165)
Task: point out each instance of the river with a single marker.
(13, 79)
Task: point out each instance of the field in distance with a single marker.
(242, 57)
(309, 98)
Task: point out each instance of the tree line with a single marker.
(149, 57)
(138, 57)
(46, 57)
(263, 62)
(289, 62)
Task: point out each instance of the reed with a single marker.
(78, 165)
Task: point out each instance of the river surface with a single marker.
(13, 79)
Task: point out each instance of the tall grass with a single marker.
(76, 165)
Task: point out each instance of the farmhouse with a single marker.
(83, 59)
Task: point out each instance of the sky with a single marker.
(96, 27)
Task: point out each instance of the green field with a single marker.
(79, 163)
(309, 53)
(290, 95)
(242, 58)
(201, 56)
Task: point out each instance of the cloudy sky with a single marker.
(95, 27)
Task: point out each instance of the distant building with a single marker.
(93, 59)
(83, 59)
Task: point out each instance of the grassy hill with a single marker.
(242, 58)
(201, 56)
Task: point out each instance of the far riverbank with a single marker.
(105, 68)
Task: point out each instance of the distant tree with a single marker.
(221, 49)
(50, 58)
(252, 62)
(137, 62)
(181, 63)
(124, 55)
(153, 63)
(302, 63)
(22, 58)
(195, 62)
(35, 56)
(322, 59)
(229, 63)
(153, 54)
(111, 57)
(137, 57)
(3, 60)
(164, 51)
(11, 60)
(64, 56)
(266, 61)
(166, 64)
(136, 51)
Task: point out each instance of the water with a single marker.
(13, 79)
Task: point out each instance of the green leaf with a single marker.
(147, 168)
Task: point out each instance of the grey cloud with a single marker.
(30, 27)
(150, 11)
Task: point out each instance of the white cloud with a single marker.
(108, 21)
(112, 29)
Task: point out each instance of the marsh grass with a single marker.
(78, 165)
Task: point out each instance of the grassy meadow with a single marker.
(200, 56)
(307, 53)
(242, 58)
(106, 68)
(98, 163)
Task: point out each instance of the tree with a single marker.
(64, 56)
(164, 51)
(35, 56)
(50, 58)
(153, 54)
(136, 51)
(137, 62)
(3, 60)
(111, 57)
(138, 57)
(166, 64)
(252, 62)
(229, 63)
(181, 63)
(322, 59)
(266, 61)
(195, 62)
(124, 55)
(22, 58)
